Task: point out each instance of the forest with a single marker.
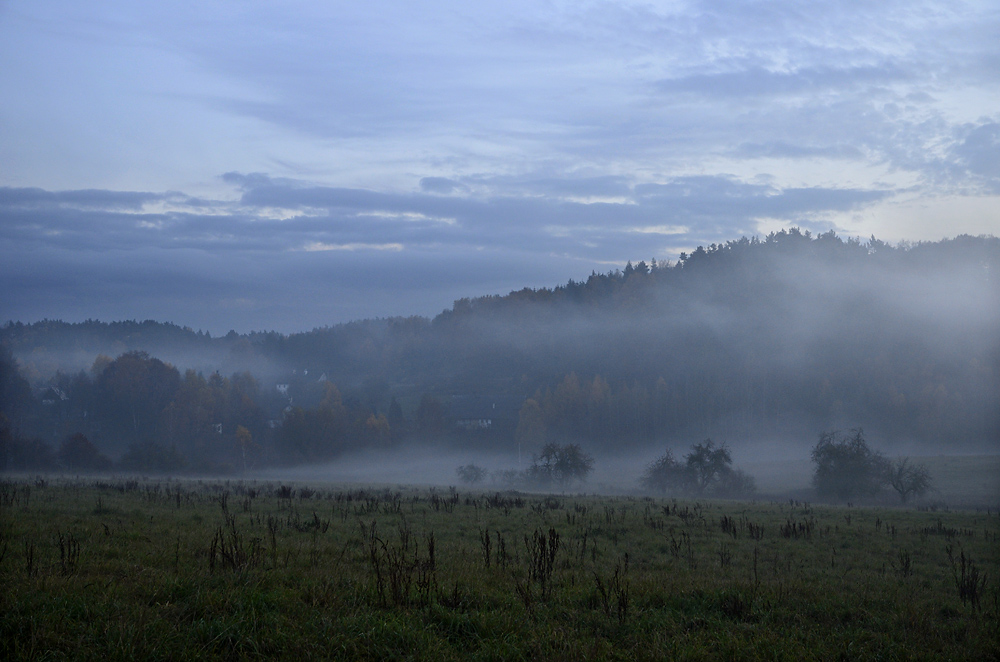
(757, 339)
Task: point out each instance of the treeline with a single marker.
(137, 413)
(756, 338)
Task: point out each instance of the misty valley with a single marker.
(758, 345)
(784, 447)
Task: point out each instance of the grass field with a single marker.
(124, 569)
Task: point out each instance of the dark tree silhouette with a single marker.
(707, 464)
(471, 473)
(560, 464)
(665, 474)
(846, 468)
(78, 453)
(706, 469)
(909, 479)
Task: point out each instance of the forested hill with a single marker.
(755, 338)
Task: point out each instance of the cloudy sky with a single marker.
(286, 165)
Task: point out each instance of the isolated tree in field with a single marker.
(909, 479)
(706, 468)
(664, 474)
(561, 464)
(706, 463)
(573, 464)
(846, 468)
(471, 474)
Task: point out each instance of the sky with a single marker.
(289, 165)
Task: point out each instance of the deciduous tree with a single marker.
(706, 463)
(664, 474)
(846, 468)
(471, 473)
(909, 479)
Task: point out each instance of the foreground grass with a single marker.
(121, 569)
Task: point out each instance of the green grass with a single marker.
(230, 570)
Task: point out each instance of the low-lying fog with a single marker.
(780, 470)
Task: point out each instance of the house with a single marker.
(52, 396)
(483, 412)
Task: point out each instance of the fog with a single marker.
(781, 470)
(759, 345)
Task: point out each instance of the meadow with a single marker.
(123, 568)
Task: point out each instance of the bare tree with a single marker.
(909, 479)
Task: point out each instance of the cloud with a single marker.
(783, 150)
(758, 82)
(316, 246)
(592, 219)
(441, 185)
(531, 142)
(979, 152)
(36, 198)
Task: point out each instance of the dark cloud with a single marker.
(257, 290)
(282, 216)
(290, 254)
